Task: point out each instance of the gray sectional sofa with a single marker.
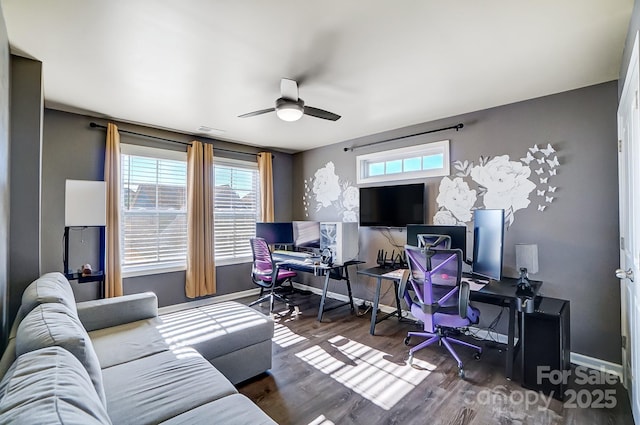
(116, 361)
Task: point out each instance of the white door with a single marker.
(629, 183)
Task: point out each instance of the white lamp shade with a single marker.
(527, 257)
(85, 203)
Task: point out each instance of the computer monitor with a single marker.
(488, 243)
(275, 233)
(306, 234)
(458, 235)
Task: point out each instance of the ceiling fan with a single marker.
(289, 107)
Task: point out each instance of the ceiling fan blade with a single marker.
(321, 113)
(289, 89)
(253, 114)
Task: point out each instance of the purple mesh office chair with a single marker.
(266, 275)
(440, 300)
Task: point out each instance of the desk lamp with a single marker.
(526, 262)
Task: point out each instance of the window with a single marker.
(153, 228)
(428, 160)
(236, 209)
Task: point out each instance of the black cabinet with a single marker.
(546, 347)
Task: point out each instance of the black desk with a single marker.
(335, 272)
(381, 273)
(501, 293)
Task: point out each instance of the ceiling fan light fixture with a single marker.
(289, 110)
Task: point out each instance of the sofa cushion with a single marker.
(8, 357)
(48, 288)
(217, 329)
(131, 341)
(159, 387)
(235, 409)
(49, 386)
(50, 325)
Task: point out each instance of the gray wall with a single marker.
(4, 182)
(72, 150)
(25, 155)
(576, 235)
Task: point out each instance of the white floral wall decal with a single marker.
(501, 184)
(327, 191)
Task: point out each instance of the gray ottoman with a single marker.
(235, 338)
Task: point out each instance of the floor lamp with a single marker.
(84, 206)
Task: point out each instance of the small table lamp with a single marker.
(526, 262)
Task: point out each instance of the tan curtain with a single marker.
(113, 276)
(265, 170)
(201, 273)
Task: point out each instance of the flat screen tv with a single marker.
(488, 243)
(392, 206)
(458, 235)
(275, 233)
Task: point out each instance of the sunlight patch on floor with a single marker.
(366, 371)
(284, 337)
(321, 420)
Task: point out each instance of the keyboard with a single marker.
(301, 255)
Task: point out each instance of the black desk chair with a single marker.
(266, 274)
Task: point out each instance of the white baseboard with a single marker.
(575, 358)
(597, 364)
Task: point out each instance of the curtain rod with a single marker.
(456, 127)
(95, 125)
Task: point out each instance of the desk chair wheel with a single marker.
(407, 340)
(477, 355)
(461, 373)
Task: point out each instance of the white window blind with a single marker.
(154, 208)
(235, 209)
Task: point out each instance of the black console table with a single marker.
(95, 276)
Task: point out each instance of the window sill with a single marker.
(151, 270)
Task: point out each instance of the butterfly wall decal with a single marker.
(553, 172)
(541, 207)
(548, 150)
(534, 149)
(527, 159)
(539, 171)
(540, 192)
(549, 199)
(554, 162)
(540, 160)
(552, 188)
(543, 179)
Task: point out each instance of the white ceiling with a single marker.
(380, 64)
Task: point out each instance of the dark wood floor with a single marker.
(335, 372)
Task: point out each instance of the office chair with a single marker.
(434, 241)
(441, 300)
(266, 274)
